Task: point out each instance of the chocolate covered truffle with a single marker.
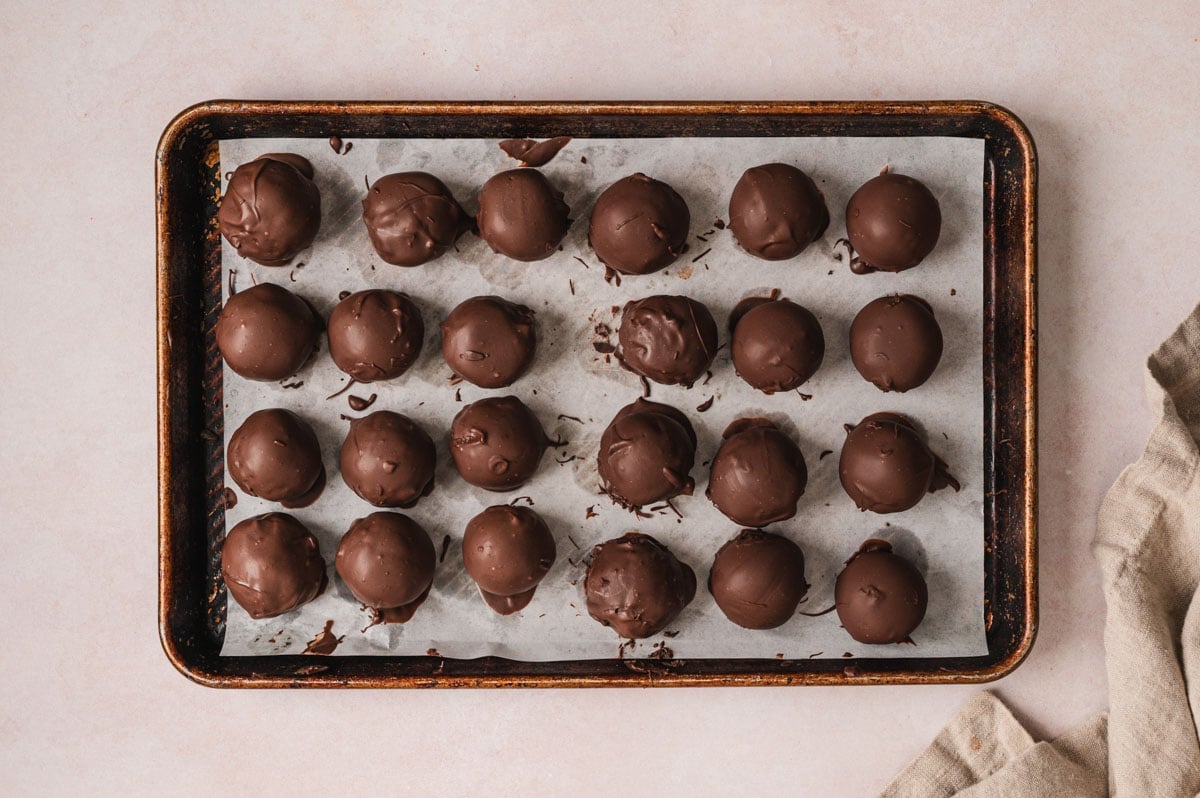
(412, 218)
(271, 209)
(893, 221)
(777, 344)
(646, 454)
(669, 339)
(895, 342)
(522, 215)
(880, 596)
(387, 560)
(266, 332)
(758, 475)
(757, 579)
(497, 443)
(489, 341)
(639, 225)
(274, 455)
(635, 585)
(388, 460)
(272, 564)
(507, 550)
(886, 466)
(776, 211)
(375, 335)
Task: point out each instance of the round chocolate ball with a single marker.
(776, 211)
(272, 564)
(522, 215)
(412, 218)
(880, 596)
(387, 560)
(758, 475)
(497, 443)
(271, 209)
(669, 339)
(375, 335)
(757, 579)
(266, 332)
(489, 341)
(893, 221)
(639, 225)
(646, 454)
(635, 585)
(777, 344)
(274, 455)
(886, 466)
(388, 460)
(507, 550)
(895, 342)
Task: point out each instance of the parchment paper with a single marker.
(944, 533)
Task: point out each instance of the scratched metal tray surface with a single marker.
(192, 599)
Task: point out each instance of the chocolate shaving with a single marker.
(565, 417)
(584, 262)
(702, 254)
(359, 404)
(445, 548)
(824, 453)
(297, 384)
(706, 405)
(571, 285)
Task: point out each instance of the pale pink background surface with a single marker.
(92, 705)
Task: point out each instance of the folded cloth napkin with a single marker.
(1148, 548)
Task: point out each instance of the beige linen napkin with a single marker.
(1148, 548)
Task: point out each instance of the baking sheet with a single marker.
(944, 534)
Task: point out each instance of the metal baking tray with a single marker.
(192, 598)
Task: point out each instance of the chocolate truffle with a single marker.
(489, 341)
(893, 221)
(266, 332)
(635, 585)
(507, 550)
(886, 467)
(895, 342)
(375, 335)
(271, 209)
(275, 455)
(388, 460)
(497, 443)
(757, 579)
(522, 215)
(880, 596)
(387, 560)
(639, 225)
(777, 344)
(412, 218)
(646, 453)
(758, 475)
(272, 564)
(669, 339)
(776, 211)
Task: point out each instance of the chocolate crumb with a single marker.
(671, 633)
(297, 384)
(458, 394)
(953, 292)
(805, 396)
(583, 159)
(847, 654)
(706, 405)
(335, 143)
(359, 404)
(719, 224)
(603, 347)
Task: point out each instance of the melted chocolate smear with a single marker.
(603, 330)
(335, 143)
(584, 262)
(591, 512)
(345, 417)
(432, 652)
(229, 498)
(779, 655)
(612, 276)
(325, 642)
(813, 656)
(342, 295)
(454, 379)
(528, 500)
(623, 645)
(846, 654)
(662, 651)
(603, 347)
(401, 614)
(534, 153)
(568, 459)
(702, 254)
(507, 605)
(358, 404)
(824, 453)
(706, 405)
(564, 417)
(850, 670)
(707, 377)
(311, 496)
(343, 389)
(296, 384)
(645, 387)
(445, 548)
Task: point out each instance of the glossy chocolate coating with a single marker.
(522, 215)
(646, 454)
(776, 211)
(412, 218)
(274, 455)
(387, 560)
(266, 332)
(669, 339)
(639, 225)
(895, 342)
(497, 443)
(375, 335)
(388, 460)
(758, 475)
(272, 564)
(880, 596)
(886, 466)
(777, 344)
(757, 579)
(893, 221)
(271, 209)
(635, 585)
(507, 550)
(489, 341)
